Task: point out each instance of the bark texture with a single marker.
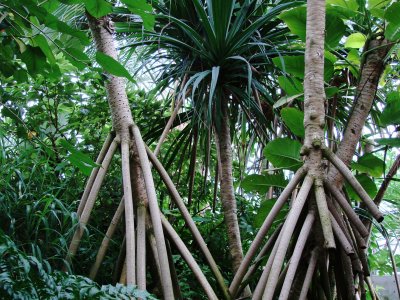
(372, 69)
(224, 150)
(102, 30)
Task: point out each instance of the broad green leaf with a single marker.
(368, 185)
(373, 4)
(98, 8)
(261, 183)
(355, 40)
(377, 7)
(35, 60)
(144, 10)
(335, 30)
(296, 21)
(71, 2)
(291, 64)
(391, 142)
(392, 31)
(331, 91)
(41, 41)
(284, 153)
(392, 13)
(290, 85)
(294, 65)
(369, 164)
(343, 8)
(391, 113)
(293, 119)
(112, 66)
(265, 209)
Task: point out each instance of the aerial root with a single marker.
(106, 240)
(296, 256)
(342, 168)
(264, 230)
(341, 237)
(175, 196)
(93, 174)
(90, 200)
(347, 209)
(323, 213)
(129, 216)
(260, 256)
(166, 281)
(187, 256)
(310, 272)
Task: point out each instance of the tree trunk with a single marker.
(375, 52)
(229, 206)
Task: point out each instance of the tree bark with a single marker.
(229, 206)
(372, 69)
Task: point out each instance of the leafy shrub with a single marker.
(25, 277)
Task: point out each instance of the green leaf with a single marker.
(343, 8)
(265, 209)
(391, 142)
(296, 21)
(391, 113)
(76, 57)
(368, 185)
(142, 9)
(295, 65)
(355, 40)
(291, 64)
(261, 183)
(284, 153)
(369, 164)
(35, 60)
(392, 32)
(293, 119)
(112, 66)
(290, 85)
(41, 41)
(98, 8)
(392, 13)
(78, 158)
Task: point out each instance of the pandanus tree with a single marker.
(329, 234)
(139, 203)
(219, 53)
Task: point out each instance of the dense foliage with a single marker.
(54, 117)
